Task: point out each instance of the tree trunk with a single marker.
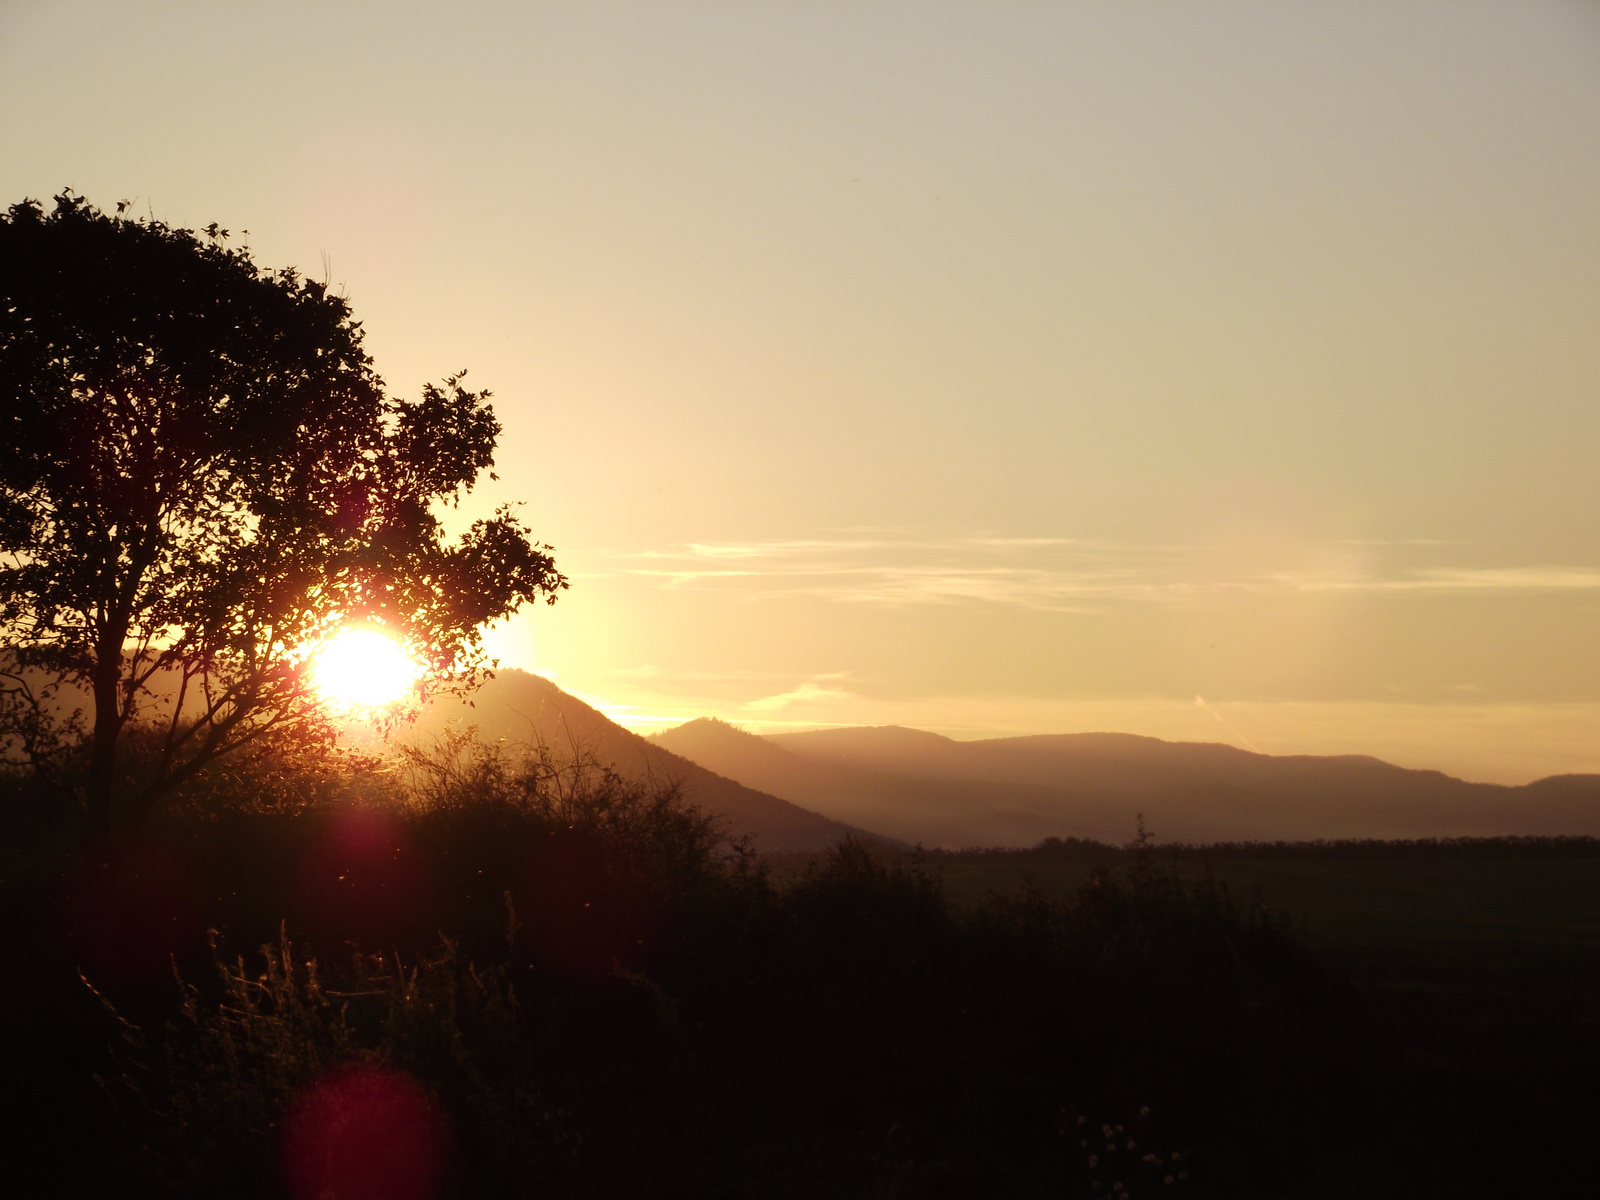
(103, 752)
(111, 637)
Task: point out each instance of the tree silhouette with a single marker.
(200, 475)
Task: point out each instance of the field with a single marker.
(1470, 972)
(1476, 966)
(598, 1001)
(1473, 912)
(1389, 912)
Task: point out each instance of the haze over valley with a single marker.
(800, 790)
(1217, 372)
(868, 599)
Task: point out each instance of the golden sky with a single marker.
(1222, 371)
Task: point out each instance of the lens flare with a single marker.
(364, 1130)
(363, 667)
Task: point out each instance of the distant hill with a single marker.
(922, 787)
(923, 810)
(517, 707)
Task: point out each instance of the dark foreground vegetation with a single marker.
(471, 976)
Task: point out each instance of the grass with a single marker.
(594, 996)
(1471, 911)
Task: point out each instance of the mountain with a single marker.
(922, 787)
(516, 707)
(925, 811)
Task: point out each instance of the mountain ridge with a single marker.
(518, 707)
(927, 788)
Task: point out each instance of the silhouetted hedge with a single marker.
(560, 982)
(1085, 850)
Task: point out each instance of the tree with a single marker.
(201, 475)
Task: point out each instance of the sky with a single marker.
(1223, 371)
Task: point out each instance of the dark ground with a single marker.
(1425, 1023)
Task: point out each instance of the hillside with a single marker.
(925, 811)
(926, 788)
(517, 707)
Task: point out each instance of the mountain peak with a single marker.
(519, 707)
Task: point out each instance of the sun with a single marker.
(363, 667)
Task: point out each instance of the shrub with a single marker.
(594, 991)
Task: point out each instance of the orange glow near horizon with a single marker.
(363, 667)
(993, 370)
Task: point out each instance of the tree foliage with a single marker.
(201, 475)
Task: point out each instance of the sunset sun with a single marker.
(796, 598)
(363, 667)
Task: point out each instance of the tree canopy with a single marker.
(201, 474)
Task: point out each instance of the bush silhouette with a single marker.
(602, 996)
(201, 476)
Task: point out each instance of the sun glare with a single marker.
(363, 667)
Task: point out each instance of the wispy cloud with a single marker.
(1069, 574)
(1448, 579)
(1503, 579)
(1036, 572)
(805, 693)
